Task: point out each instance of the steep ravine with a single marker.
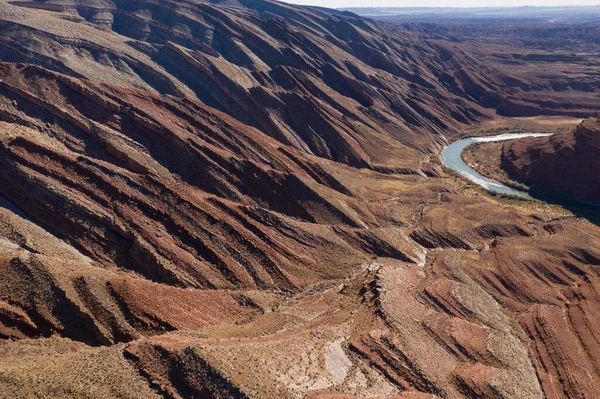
(241, 200)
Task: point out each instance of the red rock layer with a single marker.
(567, 163)
(327, 83)
(247, 208)
(160, 185)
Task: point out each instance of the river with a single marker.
(451, 158)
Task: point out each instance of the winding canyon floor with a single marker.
(458, 293)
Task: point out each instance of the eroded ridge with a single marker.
(251, 206)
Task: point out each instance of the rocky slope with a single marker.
(327, 83)
(240, 200)
(566, 163)
(520, 69)
(163, 186)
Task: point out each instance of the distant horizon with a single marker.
(441, 3)
(466, 7)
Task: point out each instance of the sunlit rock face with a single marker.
(327, 83)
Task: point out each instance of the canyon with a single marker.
(244, 199)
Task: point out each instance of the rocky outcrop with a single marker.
(163, 186)
(567, 164)
(239, 200)
(327, 83)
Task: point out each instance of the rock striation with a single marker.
(241, 199)
(327, 83)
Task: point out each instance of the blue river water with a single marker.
(451, 158)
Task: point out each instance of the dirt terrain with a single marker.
(244, 200)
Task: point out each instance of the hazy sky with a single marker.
(441, 3)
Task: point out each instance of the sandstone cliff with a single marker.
(568, 164)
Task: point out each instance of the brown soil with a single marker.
(243, 200)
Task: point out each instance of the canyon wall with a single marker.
(567, 164)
